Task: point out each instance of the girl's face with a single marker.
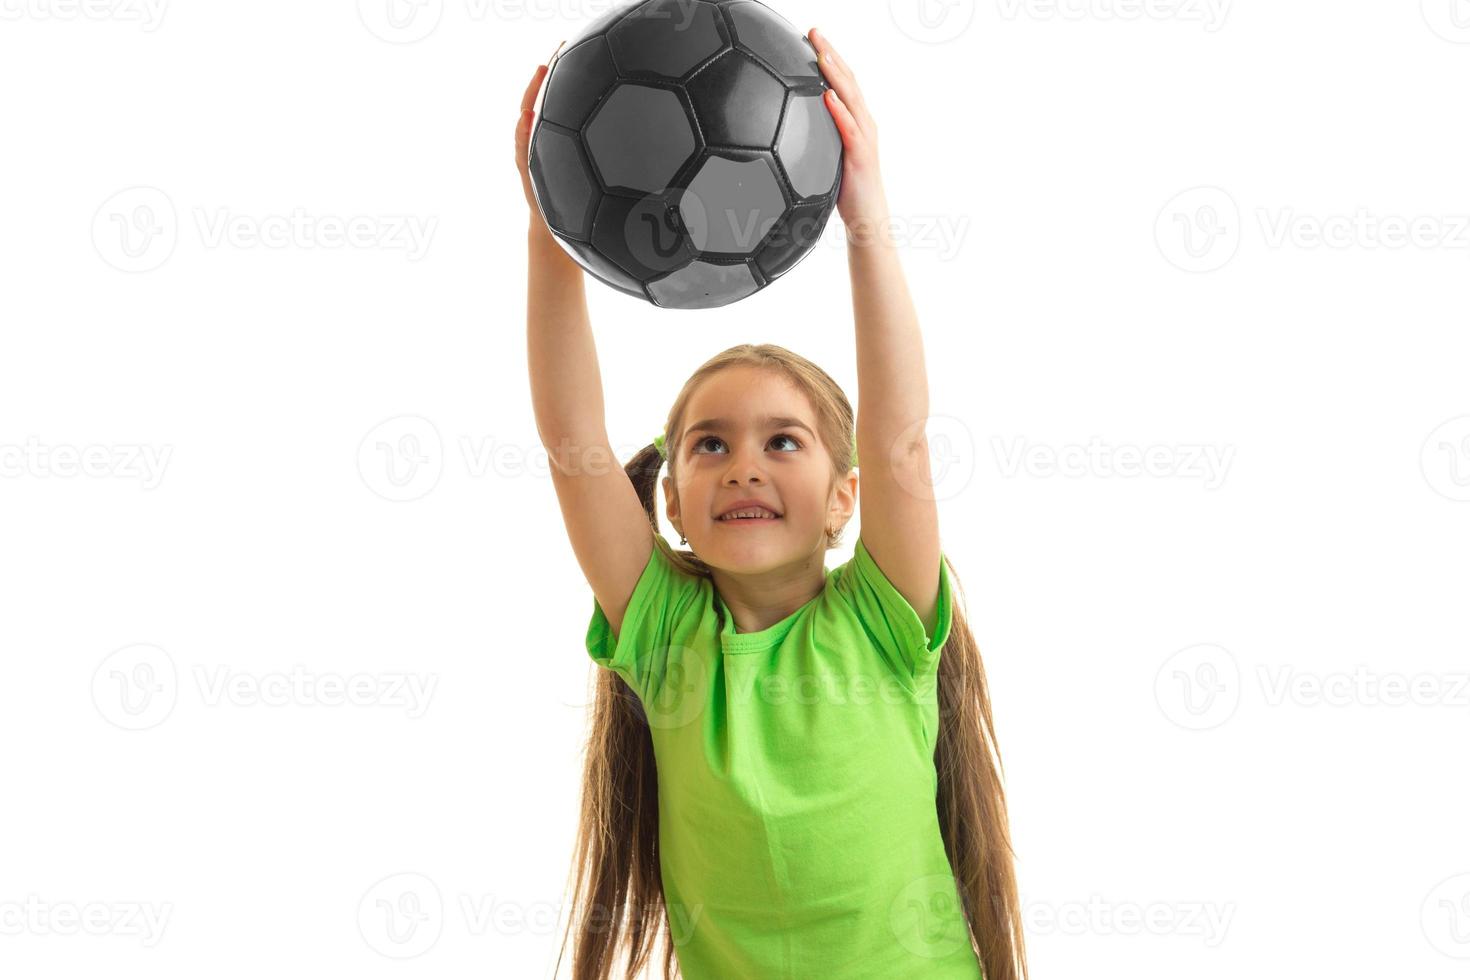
(751, 435)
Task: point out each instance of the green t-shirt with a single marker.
(798, 832)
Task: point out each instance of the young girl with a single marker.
(792, 773)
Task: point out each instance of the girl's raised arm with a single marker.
(898, 515)
(605, 521)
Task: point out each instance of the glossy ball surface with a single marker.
(683, 152)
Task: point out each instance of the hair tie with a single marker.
(658, 443)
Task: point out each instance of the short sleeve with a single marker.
(888, 618)
(662, 613)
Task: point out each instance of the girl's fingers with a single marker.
(528, 110)
(840, 77)
(523, 125)
(528, 101)
(848, 121)
(523, 136)
(846, 124)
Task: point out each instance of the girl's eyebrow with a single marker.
(775, 421)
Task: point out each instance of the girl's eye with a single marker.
(790, 439)
(705, 441)
(716, 439)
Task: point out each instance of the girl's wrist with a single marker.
(544, 249)
(870, 228)
(866, 207)
(539, 236)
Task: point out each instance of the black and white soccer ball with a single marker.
(683, 152)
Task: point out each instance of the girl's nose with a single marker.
(745, 464)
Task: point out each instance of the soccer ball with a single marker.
(683, 151)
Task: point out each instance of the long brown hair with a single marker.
(617, 886)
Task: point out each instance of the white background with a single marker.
(1109, 213)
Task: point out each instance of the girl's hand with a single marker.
(523, 140)
(861, 200)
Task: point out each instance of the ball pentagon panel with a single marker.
(703, 285)
(564, 188)
(731, 204)
(640, 137)
(810, 147)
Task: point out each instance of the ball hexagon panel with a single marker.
(641, 236)
(578, 80)
(667, 37)
(703, 285)
(810, 147)
(639, 138)
(773, 39)
(564, 187)
(731, 204)
(792, 239)
(738, 102)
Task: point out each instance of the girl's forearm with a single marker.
(892, 381)
(566, 386)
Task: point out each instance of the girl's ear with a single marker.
(844, 498)
(671, 502)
